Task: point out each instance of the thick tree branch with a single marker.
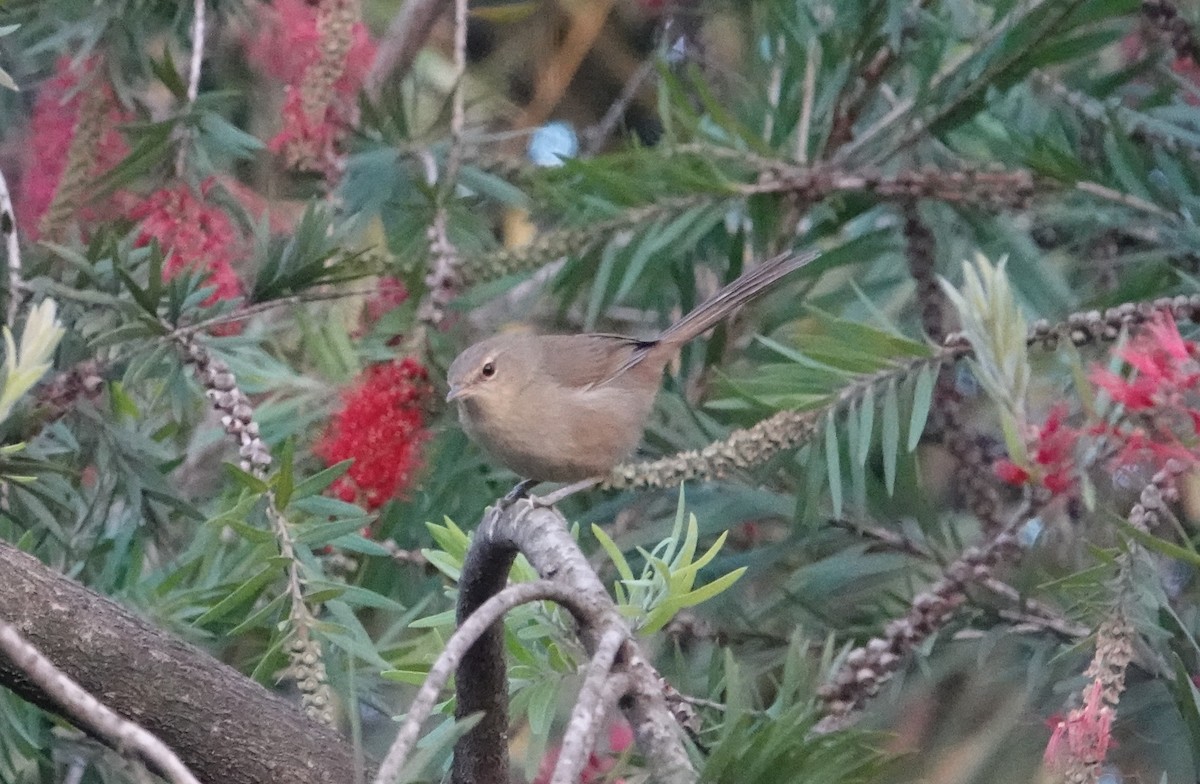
(223, 726)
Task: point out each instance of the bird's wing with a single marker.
(591, 360)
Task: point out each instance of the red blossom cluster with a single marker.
(1084, 735)
(381, 427)
(1159, 421)
(1162, 402)
(1053, 456)
(287, 45)
(597, 767)
(52, 128)
(196, 235)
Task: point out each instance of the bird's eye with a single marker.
(489, 369)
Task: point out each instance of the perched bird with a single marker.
(567, 408)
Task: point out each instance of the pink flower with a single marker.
(195, 235)
(1053, 456)
(381, 427)
(321, 95)
(51, 131)
(1010, 473)
(620, 738)
(1161, 419)
(285, 43)
(1084, 736)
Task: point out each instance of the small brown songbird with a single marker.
(567, 408)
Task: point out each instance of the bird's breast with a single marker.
(559, 434)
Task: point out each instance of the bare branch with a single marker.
(12, 251)
(199, 28)
(82, 706)
(402, 41)
(490, 613)
(580, 736)
(541, 535)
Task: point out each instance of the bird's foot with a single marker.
(517, 493)
(550, 499)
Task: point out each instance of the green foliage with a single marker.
(665, 586)
(777, 136)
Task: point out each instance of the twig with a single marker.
(440, 283)
(810, 88)
(491, 612)
(307, 667)
(894, 541)
(1126, 199)
(457, 101)
(263, 307)
(580, 735)
(587, 20)
(402, 41)
(12, 249)
(193, 85)
(99, 718)
(594, 137)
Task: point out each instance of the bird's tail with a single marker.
(746, 288)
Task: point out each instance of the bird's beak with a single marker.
(455, 393)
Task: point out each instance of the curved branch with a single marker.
(581, 729)
(403, 41)
(86, 709)
(224, 726)
(541, 535)
(491, 612)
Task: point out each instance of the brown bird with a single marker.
(567, 408)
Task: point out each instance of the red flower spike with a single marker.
(1010, 473)
(381, 427)
(1084, 735)
(286, 44)
(195, 235)
(1160, 422)
(51, 130)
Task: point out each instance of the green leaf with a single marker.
(166, 72)
(663, 613)
(1169, 549)
(866, 424)
(285, 479)
(833, 463)
(890, 435)
(241, 597)
(922, 400)
(614, 553)
(317, 483)
(1187, 700)
(245, 479)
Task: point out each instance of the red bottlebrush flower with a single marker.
(391, 294)
(195, 235)
(1053, 447)
(52, 129)
(620, 737)
(1161, 420)
(381, 427)
(1187, 68)
(323, 52)
(1010, 473)
(1084, 736)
